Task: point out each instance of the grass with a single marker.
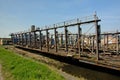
(15, 67)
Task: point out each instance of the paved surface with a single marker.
(1, 78)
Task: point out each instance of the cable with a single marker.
(89, 29)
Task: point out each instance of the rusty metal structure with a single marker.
(93, 46)
(111, 42)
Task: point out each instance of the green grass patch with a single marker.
(15, 67)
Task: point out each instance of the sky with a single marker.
(19, 15)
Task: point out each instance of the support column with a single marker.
(107, 41)
(34, 39)
(79, 40)
(22, 38)
(12, 37)
(26, 38)
(117, 43)
(71, 41)
(30, 39)
(40, 39)
(55, 32)
(97, 37)
(92, 44)
(16, 39)
(104, 44)
(66, 38)
(61, 42)
(47, 41)
(83, 43)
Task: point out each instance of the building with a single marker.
(111, 40)
(5, 41)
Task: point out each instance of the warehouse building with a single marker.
(5, 41)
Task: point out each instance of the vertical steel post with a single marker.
(61, 43)
(11, 37)
(107, 41)
(82, 43)
(66, 38)
(40, 39)
(22, 38)
(30, 39)
(55, 34)
(79, 40)
(47, 41)
(117, 49)
(89, 38)
(92, 44)
(72, 40)
(16, 42)
(18, 39)
(76, 41)
(104, 44)
(34, 39)
(97, 36)
(26, 38)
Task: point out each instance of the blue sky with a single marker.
(19, 15)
